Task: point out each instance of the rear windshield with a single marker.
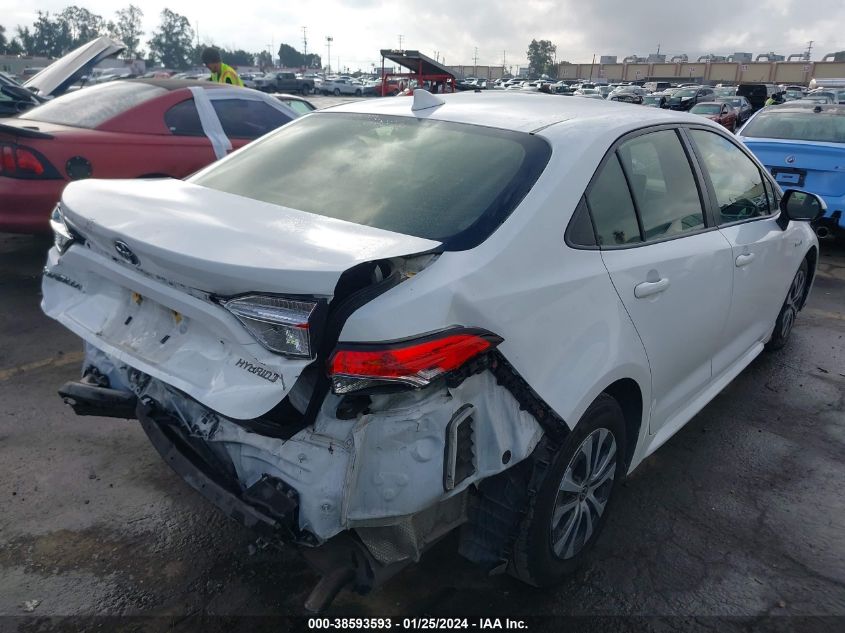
(686, 92)
(707, 108)
(798, 126)
(91, 107)
(450, 182)
(752, 91)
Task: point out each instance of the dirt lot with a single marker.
(742, 513)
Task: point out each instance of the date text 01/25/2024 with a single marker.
(415, 623)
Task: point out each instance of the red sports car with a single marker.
(136, 128)
(721, 113)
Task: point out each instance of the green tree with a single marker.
(4, 43)
(289, 57)
(238, 57)
(172, 44)
(312, 60)
(50, 36)
(540, 56)
(127, 29)
(80, 26)
(26, 40)
(264, 59)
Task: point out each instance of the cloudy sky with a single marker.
(453, 29)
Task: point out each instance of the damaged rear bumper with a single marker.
(395, 476)
(277, 517)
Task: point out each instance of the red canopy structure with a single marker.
(422, 68)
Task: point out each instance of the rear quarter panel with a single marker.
(565, 330)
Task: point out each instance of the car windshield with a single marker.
(707, 108)
(798, 126)
(400, 174)
(725, 92)
(686, 92)
(91, 107)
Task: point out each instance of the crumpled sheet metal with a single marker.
(386, 465)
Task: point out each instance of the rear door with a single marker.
(763, 261)
(671, 268)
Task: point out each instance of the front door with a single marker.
(763, 262)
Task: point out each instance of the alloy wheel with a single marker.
(583, 493)
(793, 301)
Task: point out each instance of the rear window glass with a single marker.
(450, 182)
(707, 108)
(798, 126)
(91, 107)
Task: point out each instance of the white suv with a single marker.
(394, 318)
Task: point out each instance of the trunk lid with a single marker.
(223, 243)
(155, 316)
(814, 166)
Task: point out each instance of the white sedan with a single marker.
(362, 369)
(341, 86)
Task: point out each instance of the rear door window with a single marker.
(662, 183)
(243, 118)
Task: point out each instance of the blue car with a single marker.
(803, 146)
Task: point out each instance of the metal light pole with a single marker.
(329, 40)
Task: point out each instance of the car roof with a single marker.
(519, 111)
(175, 84)
(804, 106)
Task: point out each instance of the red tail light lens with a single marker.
(28, 162)
(414, 363)
(17, 161)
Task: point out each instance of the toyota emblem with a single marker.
(125, 252)
(790, 159)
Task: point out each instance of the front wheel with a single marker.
(358, 93)
(570, 508)
(789, 311)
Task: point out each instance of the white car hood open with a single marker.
(224, 243)
(58, 76)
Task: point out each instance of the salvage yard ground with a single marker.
(741, 513)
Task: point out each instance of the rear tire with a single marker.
(789, 310)
(572, 502)
(306, 90)
(358, 93)
(337, 92)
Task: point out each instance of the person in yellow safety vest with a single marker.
(220, 72)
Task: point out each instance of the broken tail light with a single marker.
(413, 363)
(63, 235)
(281, 324)
(25, 163)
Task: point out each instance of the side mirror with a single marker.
(802, 206)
